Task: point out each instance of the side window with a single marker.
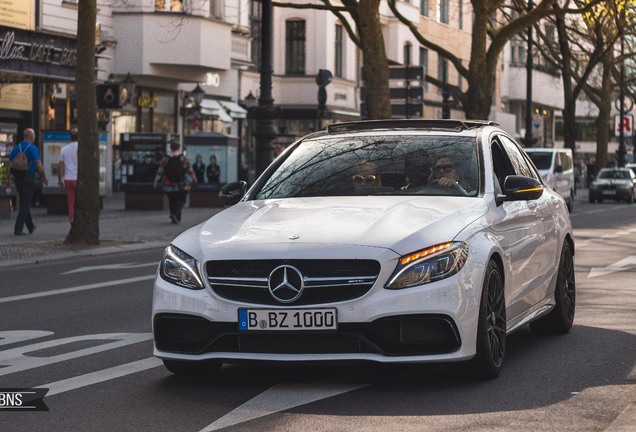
(501, 164)
(517, 158)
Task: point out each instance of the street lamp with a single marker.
(129, 84)
(197, 95)
(250, 103)
(265, 131)
(529, 140)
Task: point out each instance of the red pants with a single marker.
(70, 186)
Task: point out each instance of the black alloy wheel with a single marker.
(491, 328)
(560, 319)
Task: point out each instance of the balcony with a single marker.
(171, 45)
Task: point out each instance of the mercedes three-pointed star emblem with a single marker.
(286, 284)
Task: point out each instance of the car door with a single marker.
(526, 231)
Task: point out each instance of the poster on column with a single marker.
(52, 146)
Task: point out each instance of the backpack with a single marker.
(20, 162)
(174, 169)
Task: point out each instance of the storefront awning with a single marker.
(235, 110)
(212, 107)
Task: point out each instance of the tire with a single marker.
(591, 199)
(570, 204)
(491, 327)
(560, 319)
(192, 368)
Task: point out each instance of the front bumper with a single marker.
(432, 322)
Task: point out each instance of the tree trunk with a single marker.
(604, 114)
(85, 226)
(569, 96)
(376, 73)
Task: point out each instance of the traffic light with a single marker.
(323, 79)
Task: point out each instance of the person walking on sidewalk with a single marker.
(23, 176)
(176, 176)
(67, 172)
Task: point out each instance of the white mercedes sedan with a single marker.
(395, 241)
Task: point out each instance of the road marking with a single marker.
(17, 359)
(76, 289)
(14, 336)
(279, 398)
(622, 265)
(110, 267)
(101, 376)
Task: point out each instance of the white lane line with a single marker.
(101, 376)
(279, 398)
(111, 267)
(76, 289)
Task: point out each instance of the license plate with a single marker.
(288, 319)
(609, 192)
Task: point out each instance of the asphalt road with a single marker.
(82, 329)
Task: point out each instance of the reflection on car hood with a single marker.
(402, 224)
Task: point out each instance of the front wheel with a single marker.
(491, 326)
(560, 319)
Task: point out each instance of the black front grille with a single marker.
(325, 281)
(391, 336)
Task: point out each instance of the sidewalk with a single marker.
(119, 229)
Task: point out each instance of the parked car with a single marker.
(613, 183)
(404, 241)
(631, 166)
(556, 167)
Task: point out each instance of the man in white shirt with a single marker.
(67, 172)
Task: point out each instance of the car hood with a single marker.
(402, 224)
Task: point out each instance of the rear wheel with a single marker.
(560, 319)
(192, 368)
(491, 327)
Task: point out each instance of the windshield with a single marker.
(370, 165)
(614, 174)
(542, 160)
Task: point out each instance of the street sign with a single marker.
(628, 125)
(404, 72)
(628, 103)
(413, 93)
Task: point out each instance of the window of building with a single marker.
(442, 11)
(424, 64)
(460, 14)
(216, 9)
(255, 28)
(339, 51)
(295, 47)
(424, 8)
(169, 5)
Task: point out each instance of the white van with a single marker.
(557, 169)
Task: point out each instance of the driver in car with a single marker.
(445, 173)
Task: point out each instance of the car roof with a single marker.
(397, 125)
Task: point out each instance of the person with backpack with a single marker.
(176, 177)
(24, 160)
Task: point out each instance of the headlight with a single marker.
(429, 265)
(180, 269)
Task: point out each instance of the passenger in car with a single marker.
(365, 175)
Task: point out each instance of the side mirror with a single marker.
(520, 188)
(233, 192)
(558, 169)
